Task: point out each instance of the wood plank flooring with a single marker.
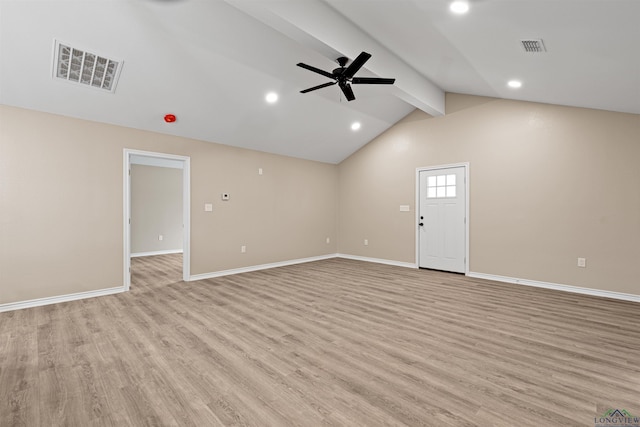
(335, 342)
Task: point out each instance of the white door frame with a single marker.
(186, 210)
(464, 165)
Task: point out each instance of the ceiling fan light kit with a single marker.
(344, 76)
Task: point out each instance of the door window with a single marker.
(441, 186)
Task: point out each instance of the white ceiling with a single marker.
(211, 63)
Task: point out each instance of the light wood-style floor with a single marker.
(334, 342)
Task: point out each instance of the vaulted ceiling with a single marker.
(211, 63)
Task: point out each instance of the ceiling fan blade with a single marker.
(318, 87)
(348, 92)
(372, 81)
(315, 70)
(357, 63)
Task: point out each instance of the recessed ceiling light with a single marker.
(515, 84)
(271, 97)
(459, 6)
(355, 126)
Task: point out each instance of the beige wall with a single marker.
(156, 209)
(61, 202)
(548, 184)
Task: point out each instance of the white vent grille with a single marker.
(533, 45)
(85, 68)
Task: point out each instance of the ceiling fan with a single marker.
(344, 75)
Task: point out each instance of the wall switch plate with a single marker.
(208, 207)
(160, 237)
(225, 196)
(259, 171)
(328, 240)
(582, 262)
(243, 249)
(366, 242)
(404, 208)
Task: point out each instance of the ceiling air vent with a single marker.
(533, 45)
(86, 68)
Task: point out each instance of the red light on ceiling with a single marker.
(169, 118)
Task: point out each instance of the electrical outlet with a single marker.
(161, 237)
(328, 240)
(243, 249)
(582, 262)
(366, 242)
(259, 171)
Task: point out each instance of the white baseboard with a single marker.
(110, 291)
(558, 287)
(166, 252)
(258, 267)
(58, 299)
(379, 260)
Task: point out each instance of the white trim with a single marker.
(186, 209)
(186, 218)
(111, 291)
(259, 267)
(157, 162)
(464, 165)
(558, 287)
(378, 260)
(154, 253)
(59, 299)
(126, 208)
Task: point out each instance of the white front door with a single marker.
(442, 227)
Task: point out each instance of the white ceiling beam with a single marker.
(315, 24)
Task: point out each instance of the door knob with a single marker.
(421, 224)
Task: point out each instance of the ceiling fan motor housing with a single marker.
(338, 71)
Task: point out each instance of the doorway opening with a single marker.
(442, 212)
(180, 238)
